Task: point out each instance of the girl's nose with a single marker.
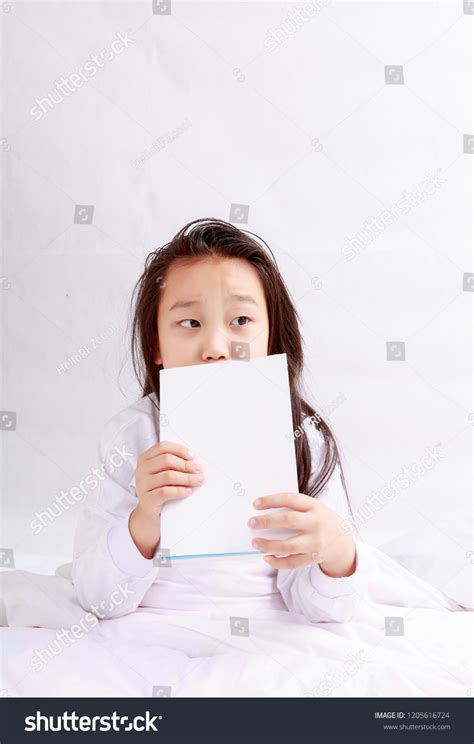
(214, 356)
(216, 348)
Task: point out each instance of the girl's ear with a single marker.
(158, 357)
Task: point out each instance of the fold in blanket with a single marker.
(407, 639)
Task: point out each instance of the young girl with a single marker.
(212, 285)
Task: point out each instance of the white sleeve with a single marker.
(321, 598)
(109, 573)
(308, 590)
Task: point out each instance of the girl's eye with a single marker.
(191, 320)
(242, 316)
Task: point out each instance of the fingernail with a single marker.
(257, 502)
(255, 543)
(252, 522)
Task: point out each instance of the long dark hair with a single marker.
(213, 237)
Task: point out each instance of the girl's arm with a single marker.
(309, 590)
(110, 574)
(323, 598)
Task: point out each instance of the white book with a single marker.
(236, 416)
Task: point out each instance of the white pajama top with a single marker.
(106, 559)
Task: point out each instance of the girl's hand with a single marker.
(164, 472)
(321, 537)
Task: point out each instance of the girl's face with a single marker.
(205, 305)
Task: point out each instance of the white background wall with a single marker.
(309, 136)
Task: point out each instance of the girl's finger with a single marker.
(290, 547)
(172, 478)
(293, 561)
(292, 520)
(297, 501)
(161, 448)
(169, 493)
(168, 461)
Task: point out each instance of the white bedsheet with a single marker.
(148, 653)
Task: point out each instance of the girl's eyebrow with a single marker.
(182, 303)
(189, 303)
(243, 298)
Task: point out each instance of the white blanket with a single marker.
(183, 654)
